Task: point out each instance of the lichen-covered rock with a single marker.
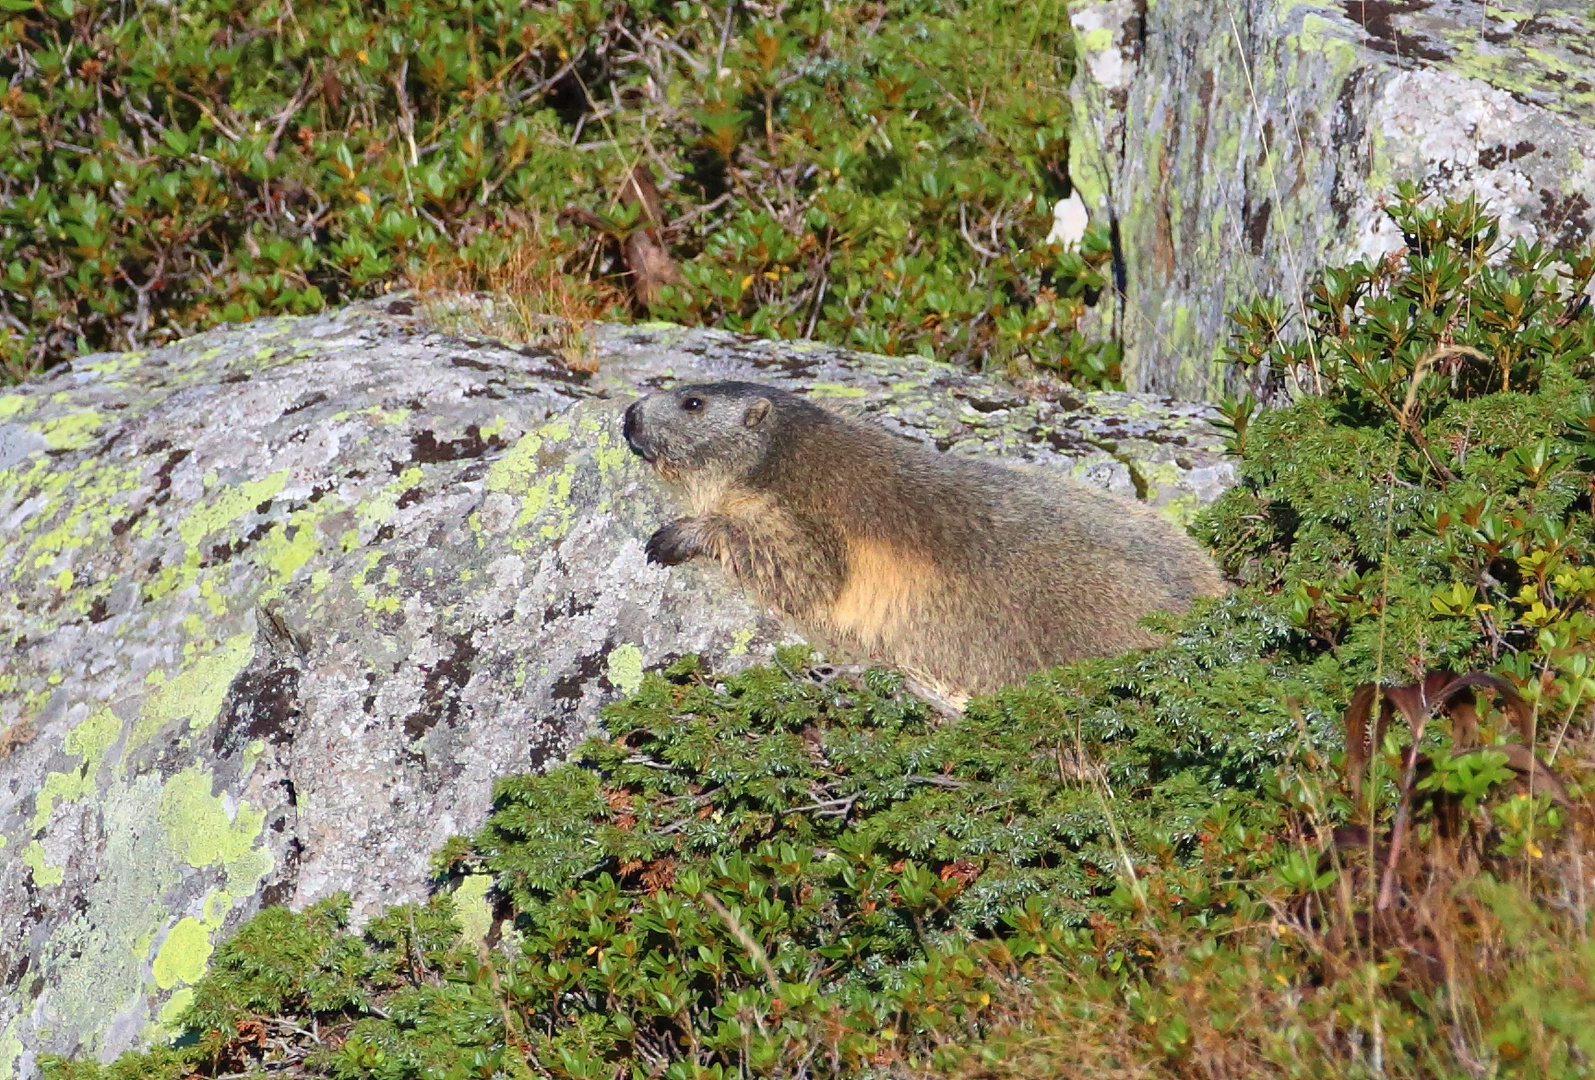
(1237, 147)
(280, 601)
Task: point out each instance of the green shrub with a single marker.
(1431, 508)
(1146, 865)
(865, 174)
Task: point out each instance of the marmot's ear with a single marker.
(756, 413)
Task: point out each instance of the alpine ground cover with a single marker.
(1340, 825)
(877, 174)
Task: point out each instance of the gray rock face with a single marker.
(280, 601)
(1240, 146)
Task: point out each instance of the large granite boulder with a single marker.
(1237, 147)
(280, 601)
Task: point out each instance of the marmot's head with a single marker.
(724, 427)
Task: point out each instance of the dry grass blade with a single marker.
(641, 246)
(650, 263)
(1408, 876)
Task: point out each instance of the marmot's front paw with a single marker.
(672, 545)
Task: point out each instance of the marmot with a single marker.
(967, 575)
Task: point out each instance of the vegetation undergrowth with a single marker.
(1283, 844)
(872, 174)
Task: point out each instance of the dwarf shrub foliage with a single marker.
(1432, 506)
(1130, 866)
(872, 174)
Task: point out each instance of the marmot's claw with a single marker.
(670, 546)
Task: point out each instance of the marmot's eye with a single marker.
(692, 404)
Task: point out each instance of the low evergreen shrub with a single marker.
(879, 175)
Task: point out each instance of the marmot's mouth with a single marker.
(640, 450)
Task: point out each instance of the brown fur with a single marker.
(965, 574)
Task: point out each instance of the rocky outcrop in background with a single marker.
(280, 601)
(1236, 147)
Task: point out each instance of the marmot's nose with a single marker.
(628, 427)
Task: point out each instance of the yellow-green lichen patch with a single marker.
(76, 508)
(91, 740)
(43, 873)
(1551, 75)
(205, 520)
(536, 469)
(10, 1047)
(471, 907)
(73, 431)
(625, 668)
(183, 955)
(118, 362)
(1131, 409)
(1096, 40)
(610, 456)
(740, 641)
(1181, 509)
(835, 390)
(214, 599)
(1155, 477)
(556, 495)
(172, 1011)
(252, 754)
(377, 413)
(204, 834)
(195, 694)
(380, 508)
(289, 546)
(1320, 36)
(93, 737)
(229, 507)
(372, 559)
(14, 405)
(518, 468)
(99, 957)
